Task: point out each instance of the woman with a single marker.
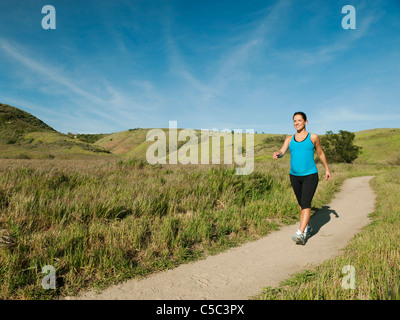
(303, 171)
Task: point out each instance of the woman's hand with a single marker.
(328, 175)
(282, 151)
(276, 155)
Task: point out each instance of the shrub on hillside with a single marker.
(277, 139)
(339, 147)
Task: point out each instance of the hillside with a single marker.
(23, 136)
(379, 146)
(14, 123)
(132, 144)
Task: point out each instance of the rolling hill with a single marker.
(22, 135)
(379, 146)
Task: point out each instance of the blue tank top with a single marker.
(302, 157)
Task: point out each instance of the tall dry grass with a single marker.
(101, 222)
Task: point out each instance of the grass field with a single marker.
(101, 222)
(380, 146)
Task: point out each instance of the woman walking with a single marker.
(303, 170)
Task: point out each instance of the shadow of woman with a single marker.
(320, 218)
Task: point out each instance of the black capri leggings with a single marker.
(304, 188)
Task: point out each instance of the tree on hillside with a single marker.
(339, 147)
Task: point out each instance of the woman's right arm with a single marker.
(283, 150)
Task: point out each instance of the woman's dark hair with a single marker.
(302, 114)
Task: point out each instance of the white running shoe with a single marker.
(299, 237)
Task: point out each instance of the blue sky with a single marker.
(246, 64)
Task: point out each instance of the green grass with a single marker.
(50, 145)
(23, 136)
(99, 222)
(380, 146)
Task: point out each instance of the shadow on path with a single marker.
(320, 218)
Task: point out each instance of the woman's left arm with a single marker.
(321, 155)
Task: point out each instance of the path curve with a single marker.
(242, 272)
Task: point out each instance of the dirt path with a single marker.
(243, 271)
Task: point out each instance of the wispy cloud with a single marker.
(113, 103)
(222, 68)
(47, 72)
(52, 74)
(324, 53)
(239, 56)
(348, 114)
(180, 68)
(235, 55)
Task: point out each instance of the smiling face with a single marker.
(299, 122)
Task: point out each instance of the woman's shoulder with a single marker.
(313, 137)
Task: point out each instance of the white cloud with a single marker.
(348, 114)
(113, 104)
(241, 55)
(325, 53)
(230, 71)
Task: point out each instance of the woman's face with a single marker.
(299, 122)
